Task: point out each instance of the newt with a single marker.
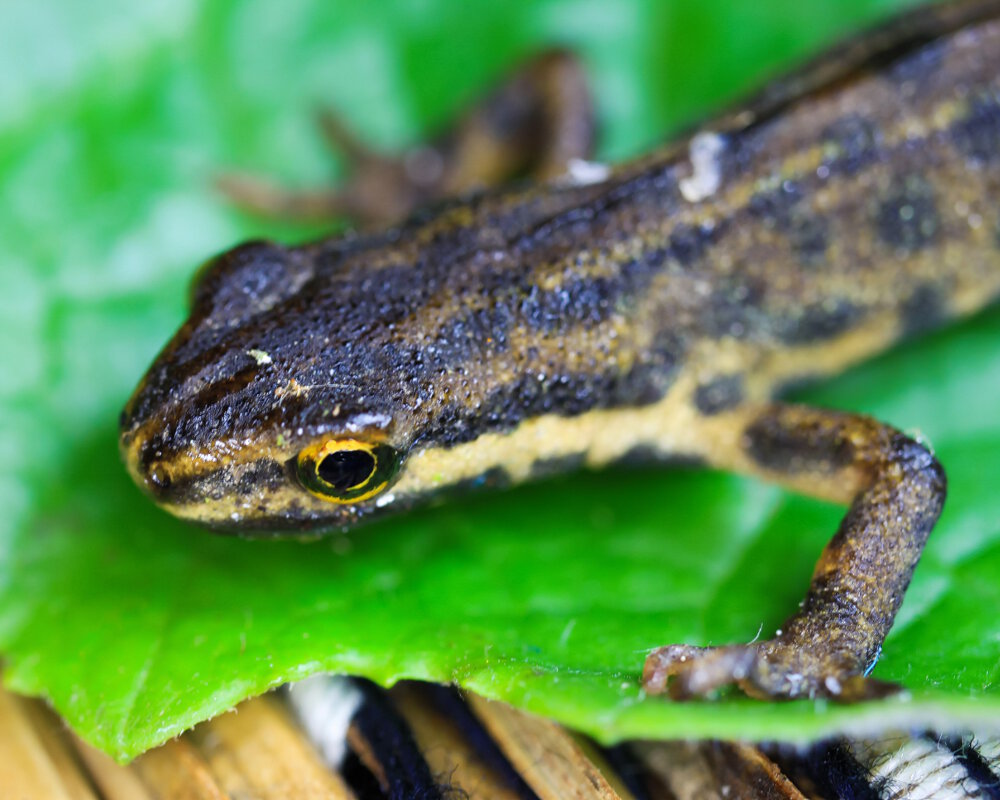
(660, 308)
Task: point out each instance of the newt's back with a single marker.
(785, 242)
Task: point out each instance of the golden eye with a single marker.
(346, 470)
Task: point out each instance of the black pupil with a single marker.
(346, 468)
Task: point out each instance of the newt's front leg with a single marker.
(896, 489)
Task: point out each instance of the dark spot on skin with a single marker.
(783, 210)
(733, 306)
(907, 218)
(688, 243)
(719, 394)
(774, 206)
(638, 271)
(777, 447)
(596, 298)
(547, 467)
(856, 141)
(467, 336)
(583, 301)
(263, 474)
(527, 396)
(977, 134)
(645, 383)
(809, 238)
(924, 309)
(826, 593)
(920, 65)
(818, 322)
(642, 455)
(649, 379)
(454, 425)
(590, 300)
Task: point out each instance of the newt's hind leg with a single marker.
(535, 123)
(896, 489)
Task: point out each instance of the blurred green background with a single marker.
(114, 119)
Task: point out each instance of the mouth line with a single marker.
(260, 526)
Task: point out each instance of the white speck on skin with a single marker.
(385, 500)
(260, 356)
(325, 705)
(584, 173)
(363, 421)
(706, 172)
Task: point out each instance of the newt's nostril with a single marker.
(159, 477)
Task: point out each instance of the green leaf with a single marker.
(136, 627)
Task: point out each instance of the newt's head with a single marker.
(280, 403)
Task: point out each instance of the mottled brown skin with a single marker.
(661, 310)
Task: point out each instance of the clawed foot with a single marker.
(767, 670)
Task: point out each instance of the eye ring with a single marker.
(346, 470)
